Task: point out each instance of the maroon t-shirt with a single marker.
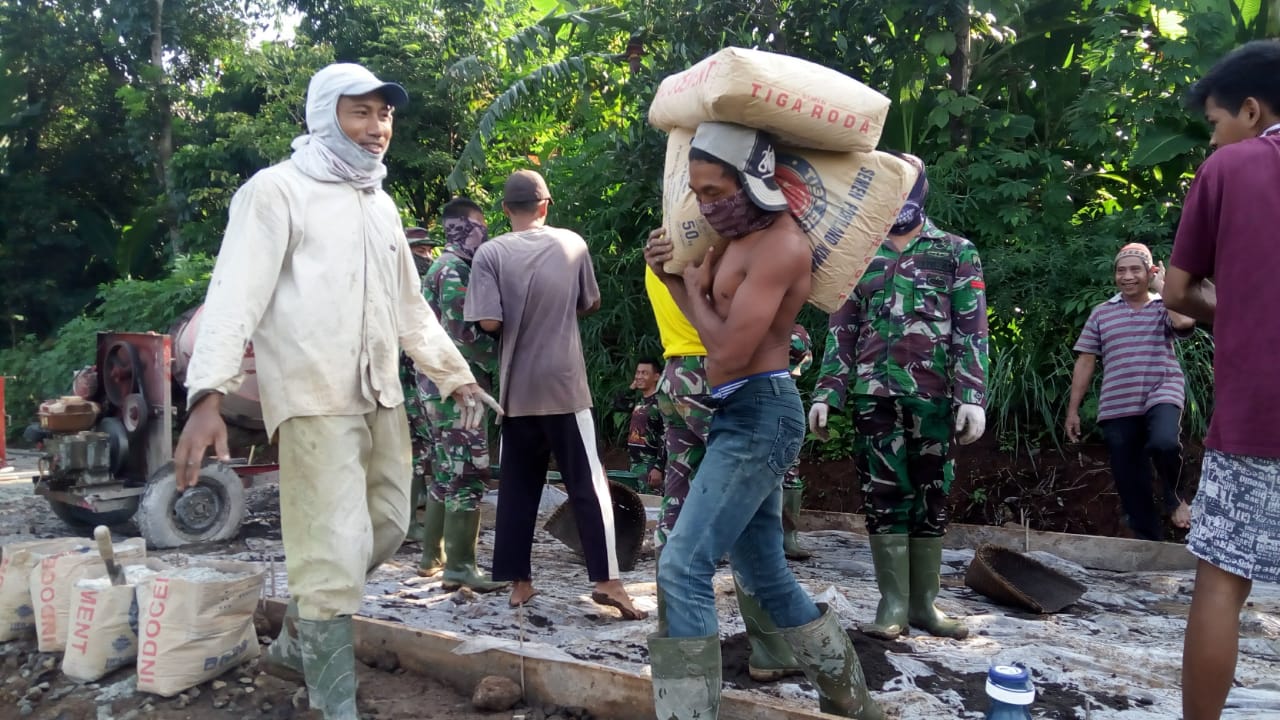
(1230, 231)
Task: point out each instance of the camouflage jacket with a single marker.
(445, 288)
(915, 326)
(801, 357)
(645, 444)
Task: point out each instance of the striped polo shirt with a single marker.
(1139, 367)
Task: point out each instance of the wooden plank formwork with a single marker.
(1091, 551)
(609, 694)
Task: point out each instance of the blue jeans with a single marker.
(735, 505)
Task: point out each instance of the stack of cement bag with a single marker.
(179, 626)
(844, 193)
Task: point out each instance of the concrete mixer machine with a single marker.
(108, 447)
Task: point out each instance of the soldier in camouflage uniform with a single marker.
(913, 335)
(646, 436)
(419, 428)
(683, 395)
(460, 457)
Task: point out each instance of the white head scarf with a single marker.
(325, 152)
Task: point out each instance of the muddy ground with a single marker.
(1113, 655)
(34, 688)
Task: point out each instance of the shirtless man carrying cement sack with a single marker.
(743, 305)
(315, 269)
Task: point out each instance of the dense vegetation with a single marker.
(1053, 129)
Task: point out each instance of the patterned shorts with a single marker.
(1235, 519)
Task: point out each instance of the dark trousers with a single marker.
(528, 443)
(1135, 443)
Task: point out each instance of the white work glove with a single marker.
(818, 419)
(471, 406)
(971, 422)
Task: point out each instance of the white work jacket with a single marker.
(320, 277)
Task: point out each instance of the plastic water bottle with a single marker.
(1011, 692)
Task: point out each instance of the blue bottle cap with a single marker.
(1010, 684)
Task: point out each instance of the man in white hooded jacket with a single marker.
(315, 270)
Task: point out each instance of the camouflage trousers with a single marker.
(903, 463)
(460, 458)
(683, 394)
(420, 434)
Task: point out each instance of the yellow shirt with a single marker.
(679, 338)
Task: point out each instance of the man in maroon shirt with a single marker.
(1225, 261)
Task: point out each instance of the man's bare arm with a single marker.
(1180, 322)
(1191, 296)
(491, 326)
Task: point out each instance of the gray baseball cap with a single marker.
(748, 151)
(352, 79)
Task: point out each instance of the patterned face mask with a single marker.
(736, 216)
(423, 263)
(912, 213)
(463, 235)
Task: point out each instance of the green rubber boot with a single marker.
(686, 677)
(284, 654)
(432, 539)
(329, 662)
(792, 501)
(825, 651)
(926, 565)
(461, 529)
(771, 656)
(893, 567)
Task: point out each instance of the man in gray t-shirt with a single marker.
(530, 285)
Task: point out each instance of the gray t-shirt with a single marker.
(536, 282)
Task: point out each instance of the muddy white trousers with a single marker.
(344, 504)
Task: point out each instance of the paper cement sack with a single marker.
(689, 232)
(195, 623)
(53, 579)
(801, 103)
(17, 613)
(844, 202)
(103, 629)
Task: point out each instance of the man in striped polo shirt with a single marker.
(1140, 410)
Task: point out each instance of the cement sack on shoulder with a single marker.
(53, 579)
(17, 612)
(844, 202)
(103, 624)
(801, 103)
(195, 623)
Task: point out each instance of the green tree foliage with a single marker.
(1053, 131)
